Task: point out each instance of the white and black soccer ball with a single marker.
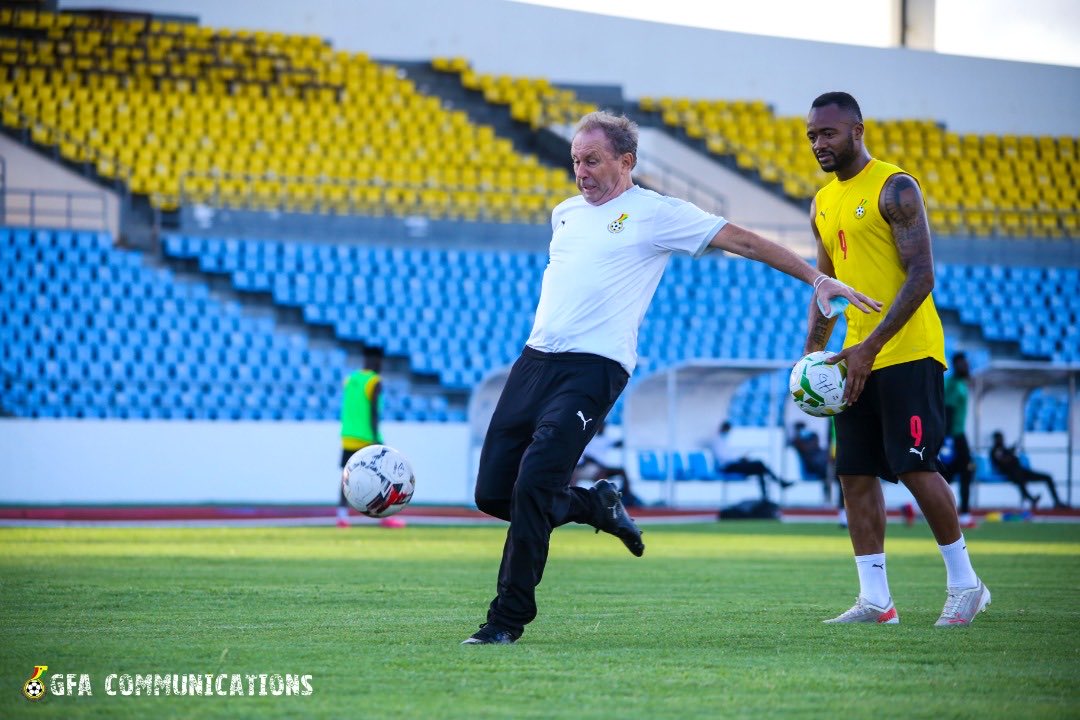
(378, 481)
(34, 689)
(818, 387)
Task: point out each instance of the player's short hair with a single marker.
(960, 365)
(842, 100)
(621, 131)
(373, 358)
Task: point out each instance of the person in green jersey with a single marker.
(959, 466)
(360, 405)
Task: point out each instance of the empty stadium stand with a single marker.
(1035, 306)
(531, 100)
(183, 114)
(426, 303)
(977, 185)
(188, 114)
(422, 303)
(89, 330)
(1046, 411)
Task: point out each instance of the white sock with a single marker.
(342, 512)
(873, 580)
(958, 570)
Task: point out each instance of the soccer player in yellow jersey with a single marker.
(872, 234)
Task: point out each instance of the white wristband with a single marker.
(820, 279)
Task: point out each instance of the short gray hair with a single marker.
(621, 131)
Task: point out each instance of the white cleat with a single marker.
(963, 604)
(867, 612)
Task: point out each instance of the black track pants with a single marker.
(546, 415)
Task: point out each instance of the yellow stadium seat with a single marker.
(209, 105)
(465, 205)
(1070, 225)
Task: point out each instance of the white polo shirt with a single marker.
(605, 263)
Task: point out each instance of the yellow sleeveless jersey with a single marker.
(860, 243)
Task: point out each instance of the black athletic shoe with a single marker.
(490, 635)
(614, 519)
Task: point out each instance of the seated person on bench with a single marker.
(1007, 462)
(734, 463)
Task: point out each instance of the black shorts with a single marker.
(898, 424)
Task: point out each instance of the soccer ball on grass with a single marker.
(818, 387)
(378, 481)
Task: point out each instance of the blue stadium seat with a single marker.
(652, 465)
(427, 309)
(701, 466)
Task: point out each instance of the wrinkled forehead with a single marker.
(590, 141)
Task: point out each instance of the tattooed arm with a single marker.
(902, 207)
(819, 327)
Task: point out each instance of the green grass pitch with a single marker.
(716, 621)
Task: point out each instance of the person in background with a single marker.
(360, 405)
(596, 463)
(728, 461)
(813, 457)
(1007, 462)
(831, 477)
(960, 465)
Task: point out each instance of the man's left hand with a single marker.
(832, 288)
